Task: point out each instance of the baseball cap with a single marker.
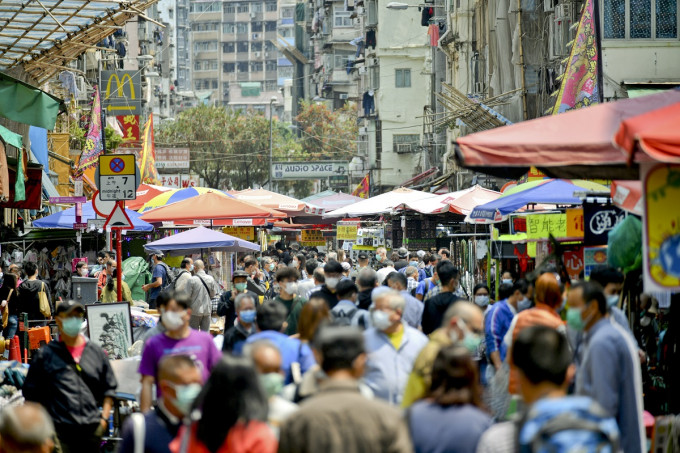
(363, 256)
(345, 266)
(403, 253)
(68, 306)
(237, 274)
(157, 253)
(420, 253)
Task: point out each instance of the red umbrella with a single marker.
(145, 193)
(655, 133)
(212, 209)
(627, 195)
(576, 144)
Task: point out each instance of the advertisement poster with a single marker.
(599, 220)
(593, 257)
(661, 227)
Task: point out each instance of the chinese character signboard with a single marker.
(245, 233)
(347, 232)
(129, 124)
(178, 181)
(541, 226)
(312, 238)
(575, 223)
(661, 227)
(598, 221)
(172, 158)
(573, 261)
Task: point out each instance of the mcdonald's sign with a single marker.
(121, 93)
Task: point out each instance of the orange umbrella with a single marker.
(211, 209)
(145, 192)
(272, 200)
(470, 200)
(655, 133)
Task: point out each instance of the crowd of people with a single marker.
(323, 354)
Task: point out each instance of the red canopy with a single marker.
(210, 207)
(627, 195)
(576, 144)
(655, 133)
(469, 201)
(145, 193)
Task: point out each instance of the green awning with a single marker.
(250, 89)
(27, 104)
(11, 138)
(639, 92)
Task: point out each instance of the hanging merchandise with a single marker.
(433, 33)
(425, 16)
(368, 102)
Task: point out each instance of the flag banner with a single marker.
(363, 188)
(580, 87)
(130, 127)
(93, 139)
(147, 168)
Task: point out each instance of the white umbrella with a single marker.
(381, 204)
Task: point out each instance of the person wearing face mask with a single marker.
(506, 278)
(480, 296)
(453, 413)
(236, 335)
(435, 306)
(413, 312)
(332, 275)
(85, 382)
(380, 257)
(307, 284)
(612, 281)
(414, 261)
(463, 326)
(287, 279)
(82, 269)
(185, 273)
(499, 320)
(392, 347)
(178, 338)
(225, 307)
(267, 360)
(180, 382)
(610, 372)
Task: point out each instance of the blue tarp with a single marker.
(201, 238)
(66, 218)
(38, 137)
(552, 192)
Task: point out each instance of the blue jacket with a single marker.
(388, 369)
(497, 325)
(413, 312)
(292, 350)
(421, 273)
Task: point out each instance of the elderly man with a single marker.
(201, 290)
(413, 313)
(26, 429)
(236, 335)
(185, 274)
(339, 418)
(392, 347)
(463, 324)
(380, 257)
(366, 282)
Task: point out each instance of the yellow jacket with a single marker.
(421, 377)
(112, 296)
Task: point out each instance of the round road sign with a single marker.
(102, 208)
(117, 165)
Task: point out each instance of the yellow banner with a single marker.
(575, 223)
(347, 232)
(245, 233)
(312, 238)
(541, 226)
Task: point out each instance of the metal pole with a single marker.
(271, 143)
(119, 264)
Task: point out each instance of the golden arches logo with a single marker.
(120, 84)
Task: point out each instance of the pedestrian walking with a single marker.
(436, 306)
(332, 274)
(236, 335)
(160, 278)
(201, 288)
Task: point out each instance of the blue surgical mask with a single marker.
(186, 394)
(247, 316)
(612, 300)
(71, 326)
(413, 263)
(507, 281)
(482, 300)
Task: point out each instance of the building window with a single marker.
(241, 27)
(256, 66)
(286, 32)
(197, 65)
(270, 25)
(228, 47)
(242, 67)
(260, 109)
(341, 59)
(256, 46)
(205, 46)
(271, 65)
(242, 8)
(341, 19)
(405, 143)
(256, 7)
(212, 7)
(225, 87)
(287, 12)
(229, 8)
(229, 28)
(228, 67)
(649, 19)
(269, 47)
(214, 84)
(270, 85)
(197, 85)
(256, 26)
(242, 47)
(402, 78)
(270, 6)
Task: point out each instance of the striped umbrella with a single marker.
(173, 196)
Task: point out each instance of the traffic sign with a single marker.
(61, 200)
(117, 165)
(101, 207)
(97, 223)
(117, 177)
(117, 188)
(79, 225)
(118, 219)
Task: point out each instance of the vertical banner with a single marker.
(580, 85)
(149, 174)
(363, 188)
(129, 124)
(661, 227)
(93, 139)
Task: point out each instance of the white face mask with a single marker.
(482, 300)
(381, 320)
(191, 268)
(83, 272)
(172, 320)
(291, 287)
(332, 282)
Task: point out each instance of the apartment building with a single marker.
(235, 61)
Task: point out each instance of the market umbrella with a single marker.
(627, 195)
(436, 204)
(655, 133)
(380, 204)
(547, 191)
(66, 218)
(175, 195)
(465, 203)
(200, 238)
(575, 144)
(334, 201)
(211, 209)
(324, 194)
(273, 200)
(145, 193)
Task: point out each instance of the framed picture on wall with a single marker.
(110, 326)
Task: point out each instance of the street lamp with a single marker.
(271, 139)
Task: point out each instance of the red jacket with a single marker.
(254, 437)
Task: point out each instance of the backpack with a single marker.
(567, 425)
(343, 317)
(172, 277)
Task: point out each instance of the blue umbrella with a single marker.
(551, 192)
(201, 238)
(66, 218)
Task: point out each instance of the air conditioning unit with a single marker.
(403, 148)
(548, 5)
(363, 70)
(342, 96)
(363, 130)
(252, 15)
(256, 35)
(559, 36)
(266, 54)
(563, 11)
(257, 54)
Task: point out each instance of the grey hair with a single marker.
(250, 349)
(395, 300)
(239, 299)
(199, 264)
(332, 256)
(367, 278)
(462, 309)
(26, 427)
(410, 270)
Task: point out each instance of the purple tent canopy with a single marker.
(200, 238)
